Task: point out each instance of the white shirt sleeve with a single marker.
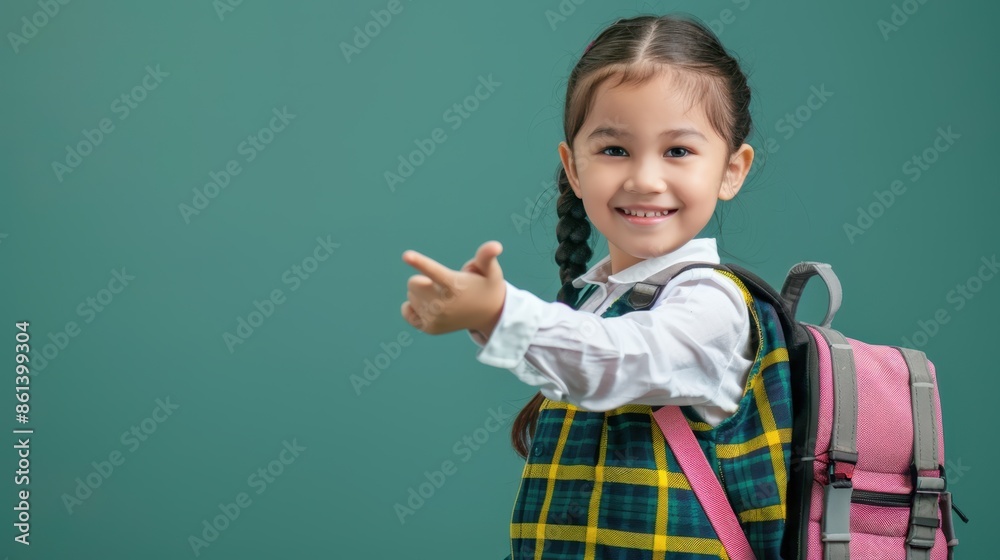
(681, 351)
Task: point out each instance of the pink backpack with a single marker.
(868, 478)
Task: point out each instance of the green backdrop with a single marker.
(197, 226)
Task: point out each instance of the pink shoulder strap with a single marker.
(703, 482)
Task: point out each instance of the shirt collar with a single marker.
(700, 249)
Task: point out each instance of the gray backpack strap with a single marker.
(645, 293)
(836, 531)
(947, 524)
(927, 490)
(796, 280)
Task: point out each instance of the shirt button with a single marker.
(538, 449)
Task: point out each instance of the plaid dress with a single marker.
(606, 485)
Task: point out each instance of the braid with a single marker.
(572, 255)
(573, 232)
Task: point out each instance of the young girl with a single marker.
(656, 118)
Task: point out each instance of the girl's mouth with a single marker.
(647, 220)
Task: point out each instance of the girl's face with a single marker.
(639, 150)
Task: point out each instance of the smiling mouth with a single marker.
(645, 213)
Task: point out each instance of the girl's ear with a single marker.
(736, 172)
(569, 164)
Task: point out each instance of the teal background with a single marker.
(322, 176)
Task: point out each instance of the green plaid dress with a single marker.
(605, 484)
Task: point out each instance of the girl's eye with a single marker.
(684, 151)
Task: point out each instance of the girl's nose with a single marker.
(646, 177)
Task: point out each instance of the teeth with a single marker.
(643, 214)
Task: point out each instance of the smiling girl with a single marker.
(655, 123)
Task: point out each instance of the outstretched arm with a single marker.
(678, 352)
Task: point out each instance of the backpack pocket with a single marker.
(879, 526)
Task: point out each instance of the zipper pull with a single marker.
(959, 512)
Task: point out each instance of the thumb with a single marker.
(486, 258)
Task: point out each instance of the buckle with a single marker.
(923, 515)
(841, 468)
(837, 497)
(837, 513)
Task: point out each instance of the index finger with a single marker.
(434, 270)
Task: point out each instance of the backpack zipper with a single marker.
(886, 499)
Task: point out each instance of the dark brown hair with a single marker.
(635, 50)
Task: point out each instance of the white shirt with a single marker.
(691, 347)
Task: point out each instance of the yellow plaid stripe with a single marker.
(595, 498)
(663, 481)
(553, 474)
(774, 442)
(774, 356)
(698, 426)
(769, 513)
(615, 537)
(733, 450)
(617, 475)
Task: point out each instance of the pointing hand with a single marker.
(442, 300)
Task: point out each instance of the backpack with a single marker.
(867, 477)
